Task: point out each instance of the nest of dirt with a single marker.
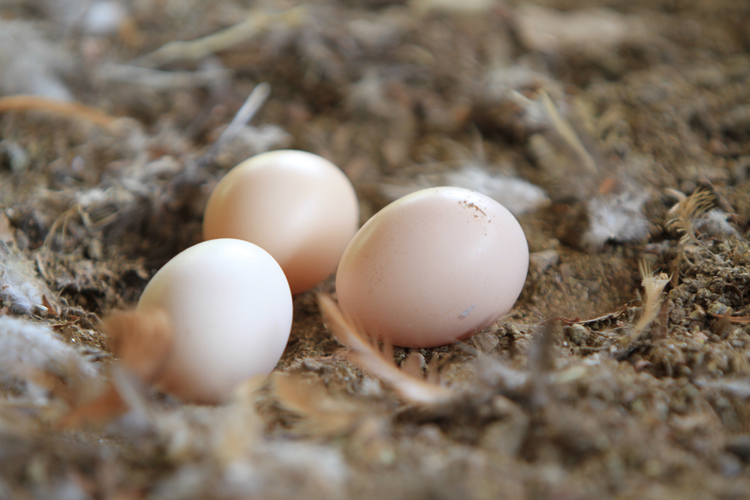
(616, 131)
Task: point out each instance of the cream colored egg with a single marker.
(433, 267)
(231, 311)
(297, 206)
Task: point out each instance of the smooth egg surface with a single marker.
(231, 311)
(298, 206)
(433, 267)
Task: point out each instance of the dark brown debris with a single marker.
(616, 131)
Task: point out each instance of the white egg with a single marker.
(231, 311)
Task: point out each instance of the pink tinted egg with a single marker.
(433, 267)
(297, 206)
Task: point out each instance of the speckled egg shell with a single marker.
(433, 267)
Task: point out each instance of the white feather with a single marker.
(19, 287)
(28, 346)
(615, 217)
(515, 194)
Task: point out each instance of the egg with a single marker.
(231, 311)
(432, 268)
(297, 206)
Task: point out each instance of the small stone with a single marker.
(729, 465)
(718, 308)
(578, 334)
(740, 446)
(543, 260)
(485, 341)
(698, 314)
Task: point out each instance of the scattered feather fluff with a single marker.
(272, 470)
(19, 286)
(517, 195)
(126, 199)
(30, 63)
(223, 453)
(615, 217)
(304, 462)
(59, 488)
(653, 287)
(694, 217)
(714, 224)
(103, 18)
(95, 17)
(251, 141)
(367, 97)
(26, 348)
(142, 343)
(17, 157)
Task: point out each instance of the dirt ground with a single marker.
(617, 131)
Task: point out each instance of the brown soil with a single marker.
(578, 393)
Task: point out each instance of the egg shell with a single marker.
(297, 206)
(433, 267)
(231, 312)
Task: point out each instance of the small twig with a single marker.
(196, 50)
(732, 319)
(158, 79)
(598, 319)
(68, 109)
(253, 103)
(568, 134)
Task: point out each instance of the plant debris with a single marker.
(615, 131)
